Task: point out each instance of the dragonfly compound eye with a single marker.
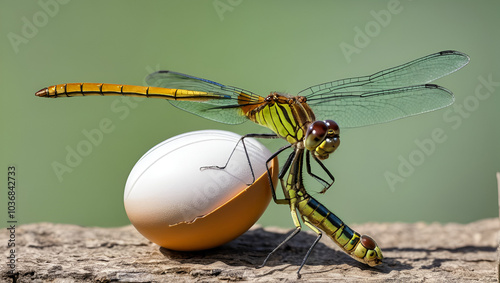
(333, 127)
(327, 147)
(315, 134)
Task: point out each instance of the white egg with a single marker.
(171, 197)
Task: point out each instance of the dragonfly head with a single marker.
(322, 138)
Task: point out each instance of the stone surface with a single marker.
(413, 253)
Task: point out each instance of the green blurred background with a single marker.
(261, 46)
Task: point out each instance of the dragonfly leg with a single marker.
(242, 140)
(326, 185)
(282, 173)
(298, 227)
(319, 233)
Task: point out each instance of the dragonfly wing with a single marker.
(232, 115)
(358, 109)
(387, 86)
(420, 71)
(224, 103)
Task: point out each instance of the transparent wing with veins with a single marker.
(387, 95)
(225, 108)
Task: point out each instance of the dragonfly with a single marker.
(304, 122)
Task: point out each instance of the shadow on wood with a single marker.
(413, 253)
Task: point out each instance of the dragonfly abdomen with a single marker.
(102, 89)
(362, 248)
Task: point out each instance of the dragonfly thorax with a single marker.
(287, 116)
(284, 98)
(322, 138)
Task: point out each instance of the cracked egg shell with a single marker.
(174, 204)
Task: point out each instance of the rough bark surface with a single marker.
(413, 253)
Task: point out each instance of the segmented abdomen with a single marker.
(89, 89)
(362, 248)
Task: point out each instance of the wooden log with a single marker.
(413, 253)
